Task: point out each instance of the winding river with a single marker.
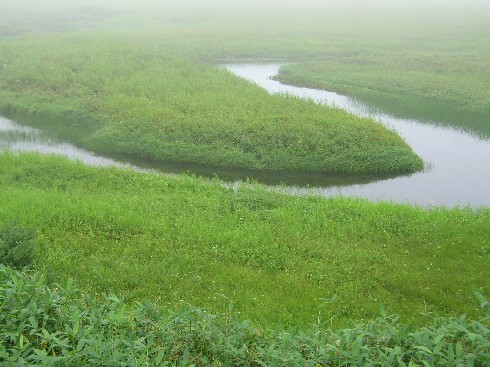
(457, 173)
(19, 138)
(458, 164)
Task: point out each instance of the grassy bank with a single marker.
(118, 97)
(448, 88)
(186, 239)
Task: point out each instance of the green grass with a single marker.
(447, 88)
(186, 239)
(123, 98)
(143, 83)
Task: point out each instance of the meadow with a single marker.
(187, 239)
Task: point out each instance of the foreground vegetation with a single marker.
(42, 325)
(147, 88)
(185, 239)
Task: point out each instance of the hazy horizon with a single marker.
(379, 14)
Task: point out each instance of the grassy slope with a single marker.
(145, 102)
(187, 239)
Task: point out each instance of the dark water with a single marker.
(458, 170)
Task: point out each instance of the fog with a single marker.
(20, 16)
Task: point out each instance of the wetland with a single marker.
(451, 155)
(241, 184)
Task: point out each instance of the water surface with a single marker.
(19, 138)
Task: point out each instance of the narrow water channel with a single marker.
(19, 138)
(458, 164)
(457, 174)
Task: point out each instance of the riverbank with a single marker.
(448, 91)
(451, 155)
(188, 239)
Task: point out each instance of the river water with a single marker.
(19, 138)
(457, 173)
(458, 164)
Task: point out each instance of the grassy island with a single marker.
(117, 97)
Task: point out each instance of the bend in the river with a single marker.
(459, 171)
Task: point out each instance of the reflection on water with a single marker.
(266, 177)
(458, 174)
(18, 138)
(459, 163)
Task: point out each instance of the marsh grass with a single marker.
(445, 88)
(189, 239)
(140, 87)
(119, 97)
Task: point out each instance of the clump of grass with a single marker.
(17, 247)
(59, 326)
